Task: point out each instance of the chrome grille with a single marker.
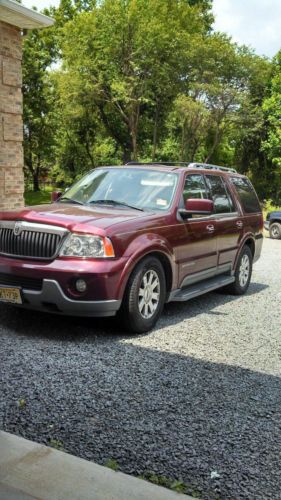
(30, 240)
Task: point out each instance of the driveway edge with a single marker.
(30, 470)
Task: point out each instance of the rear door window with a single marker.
(221, 197)
(246, 194)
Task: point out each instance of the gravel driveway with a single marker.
(197, 399)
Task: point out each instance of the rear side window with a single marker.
(247, 195)
(221, 197)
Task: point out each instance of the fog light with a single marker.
(81, 286)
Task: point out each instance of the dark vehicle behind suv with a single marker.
(125, 240)
(273, 224)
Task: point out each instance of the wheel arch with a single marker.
(251, 244)
(274, 221)
(166, 266)
(164, 260)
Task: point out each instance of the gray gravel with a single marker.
(197, 399)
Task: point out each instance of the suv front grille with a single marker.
(21, 281)
(30, 240)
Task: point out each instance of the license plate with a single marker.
(11, 295)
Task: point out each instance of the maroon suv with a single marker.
(128, 239)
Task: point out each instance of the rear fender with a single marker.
(247, 237)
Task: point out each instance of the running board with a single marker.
(189, 292)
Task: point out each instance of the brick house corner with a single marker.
(13, 19)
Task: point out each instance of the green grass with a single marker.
(174, 485)
(37, 197)
(57, 444)
(21, 403)
(112, 464)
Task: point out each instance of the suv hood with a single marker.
(75, 217)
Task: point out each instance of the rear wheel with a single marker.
(242, 274)
(144, 297)
(275, 231)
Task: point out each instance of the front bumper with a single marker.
(52, 299)
(266, 225)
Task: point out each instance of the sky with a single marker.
(251, 22)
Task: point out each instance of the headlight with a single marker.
(79, 245)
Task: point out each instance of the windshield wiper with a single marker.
(114, 202)
(70, 200)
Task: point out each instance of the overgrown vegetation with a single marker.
(120, 80)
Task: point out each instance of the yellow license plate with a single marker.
(12, 295)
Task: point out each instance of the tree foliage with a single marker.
(120, 80)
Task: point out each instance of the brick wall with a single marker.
(11, 129)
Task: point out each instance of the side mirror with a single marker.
(194, 206)
(55, 196)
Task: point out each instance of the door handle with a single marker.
(210, 228)
(239, 223)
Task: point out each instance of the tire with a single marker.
(275, 231)
(243, 273)
(144, 297)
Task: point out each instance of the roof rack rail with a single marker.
(186, 164)
(161, 163)
(212, 167)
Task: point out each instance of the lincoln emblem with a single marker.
(17, 228)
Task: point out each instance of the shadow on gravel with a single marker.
(149, 410)
(175, 312)
(75, 383)
(62, 328)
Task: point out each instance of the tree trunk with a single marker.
(155, 132)
(216, 142)
(36, 181)
(182, 142)
(133, 124)
(134, 144)
(126, 156)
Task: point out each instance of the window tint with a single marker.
(221, 197)
(195, 187)
(247, 195)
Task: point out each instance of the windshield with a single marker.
(137, 188)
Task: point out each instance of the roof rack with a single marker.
(161, 163)
(212, 167)
(206, 166)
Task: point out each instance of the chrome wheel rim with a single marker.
(275, 232)
(149, 294)
(244, 270)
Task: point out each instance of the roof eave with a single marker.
(17, 15)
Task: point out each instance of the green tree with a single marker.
(272, 143)
(130, 57)
(39, 101)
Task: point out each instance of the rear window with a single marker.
(247, 195)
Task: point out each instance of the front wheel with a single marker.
(275, 231)
(242, 274)
(145, 295)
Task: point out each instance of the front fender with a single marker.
(139, 248)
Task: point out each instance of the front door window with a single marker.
(195, 187)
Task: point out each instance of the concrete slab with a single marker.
(29, 470)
